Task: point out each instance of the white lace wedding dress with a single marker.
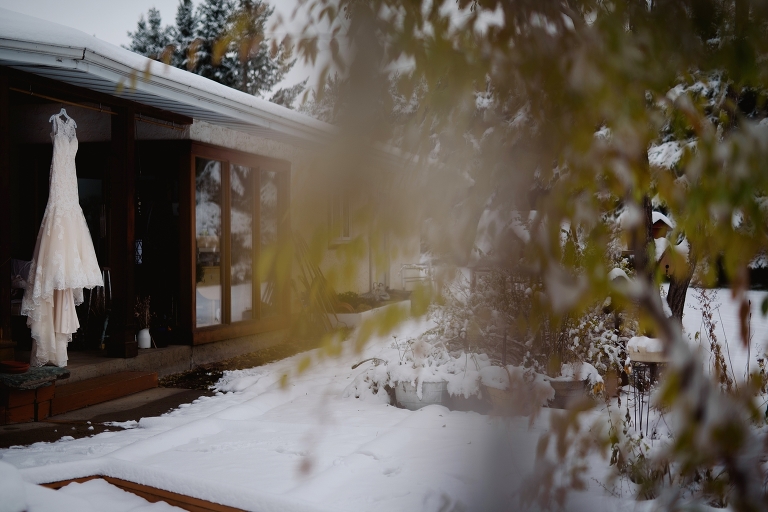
(64, 261)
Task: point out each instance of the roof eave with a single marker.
(91, 62)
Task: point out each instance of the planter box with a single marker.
(567, 393)
(353, 320)
(431, 393)
(501, 400)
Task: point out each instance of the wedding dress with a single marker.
(64, 261)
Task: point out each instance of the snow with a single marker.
(617, 273)
(658, 216)
(493, 229)
(330, 441)
(12, 489)
(665, 155)
(738, 354)
(645, 344)
(95, 495)
(92, 496)
(759, 261)
(122, 424)
(661, 245)
(303, 448)
(579, 371)
(631, 217)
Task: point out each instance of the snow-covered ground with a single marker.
(310, 446)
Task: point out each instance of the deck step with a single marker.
(100, 389)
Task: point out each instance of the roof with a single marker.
(661, 246)
(68, 55)
(660, 217)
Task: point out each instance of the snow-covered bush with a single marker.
(426, 359)
(600, 338)
(502, 305)
(480, 318)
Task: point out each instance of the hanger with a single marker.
(63, 112)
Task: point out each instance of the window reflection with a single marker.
(208, 236)
(241, 228)
(268, 209)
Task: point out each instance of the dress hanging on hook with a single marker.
(63, 113)
(64, 261)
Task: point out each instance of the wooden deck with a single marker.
(100, 389)
(153, 494)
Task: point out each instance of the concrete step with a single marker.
(100, 389)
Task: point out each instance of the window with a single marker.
(208, 232)
(240, 224)
(338, 218)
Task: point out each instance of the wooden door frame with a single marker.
(229, 329)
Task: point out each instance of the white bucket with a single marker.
(144, 339)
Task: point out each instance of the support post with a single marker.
(122, 185)
(6, 344)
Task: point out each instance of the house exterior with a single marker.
(192, 191)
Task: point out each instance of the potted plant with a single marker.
(143, 317)
(414, 386)
(573, 384)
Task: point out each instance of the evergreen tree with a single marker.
(215, 60)
(286, 96)
(223, 41)
(258, 71)
(326, 106)
(184, 36)
(150, 38)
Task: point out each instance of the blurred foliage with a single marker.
(553, 106)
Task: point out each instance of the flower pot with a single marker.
(144, 339)
(431, 393)
(501, 401)
(568, 393)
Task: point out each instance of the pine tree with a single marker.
(326, 106)
(150, 38)
(258, 67)
(215, 59)
(184, 36)
(222, 41)
(286, 96)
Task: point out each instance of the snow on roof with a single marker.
(658, 216)
(662, 244)
(69, 55)
(759, 261)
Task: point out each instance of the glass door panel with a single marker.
(209, 239)
(268, 256)
(242, 187)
